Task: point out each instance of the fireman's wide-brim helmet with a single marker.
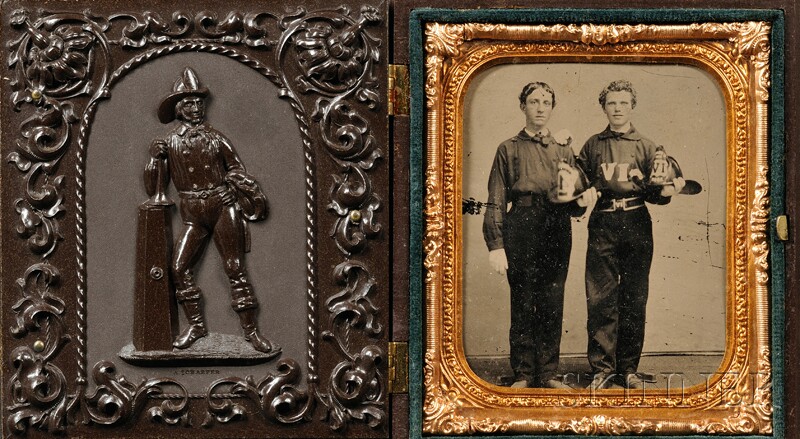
(187, 85)
(674, 171)
(581, 184)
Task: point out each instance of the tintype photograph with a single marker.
(589, 190)
(575, 274)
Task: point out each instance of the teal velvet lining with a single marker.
(417, 156)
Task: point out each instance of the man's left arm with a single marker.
(232, 161)
(244, 188)
(577, 207)
(678, 182)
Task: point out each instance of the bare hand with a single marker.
(589, 197)
(674, 188)
(158, 149)
(498, 261)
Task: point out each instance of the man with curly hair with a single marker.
(627, 170)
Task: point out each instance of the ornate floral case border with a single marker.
(741, 49)
(65, 60)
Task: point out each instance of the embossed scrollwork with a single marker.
(355, 203)
(53, 59)
(604, 425)
(444, 39)
(149, 27)
(337, 58)
(352, 197)
(38, 392)
(759, 218)
(335, 54)
(347, 134)
(62, 67)
(39, 210)
(39, 310)
(356, 390)
(117, 400)
(46, 134)
(38, 388)
(237, 27)
(755, 48)
(277, 396)
(52, 62)
(352, 307)
(139, 30)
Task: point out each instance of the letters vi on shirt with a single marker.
(622, 171)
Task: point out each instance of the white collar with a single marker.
(541, 133)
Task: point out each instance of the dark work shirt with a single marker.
(523, 165)
(200, 157)
(617, 164)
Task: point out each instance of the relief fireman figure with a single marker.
(217, 198)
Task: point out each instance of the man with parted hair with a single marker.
(531, 243)
(627, 170)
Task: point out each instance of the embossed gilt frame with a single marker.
(328, 64)
(737, 53)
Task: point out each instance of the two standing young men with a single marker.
(532, 241)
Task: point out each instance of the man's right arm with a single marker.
(498, 196)
(584, 162)
(158, 155)
(496, 210)
(498, 260)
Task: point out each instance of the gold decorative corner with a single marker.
(754, 46)
(444, 39)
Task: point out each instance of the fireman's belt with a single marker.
(528, 200)
(204, 193)
(615, 204)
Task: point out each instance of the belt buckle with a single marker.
(619, 204)
(204, 195)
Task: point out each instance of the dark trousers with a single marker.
(537, 241)
(211, 218)
(620, 251)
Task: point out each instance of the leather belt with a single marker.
(527, 200)
(615, 204)
(204, 193)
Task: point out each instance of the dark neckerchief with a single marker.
(631, 134)
(193, 136)
(544, 140)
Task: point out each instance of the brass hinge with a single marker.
(398, 367)
(782, 228)
(398, 90)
